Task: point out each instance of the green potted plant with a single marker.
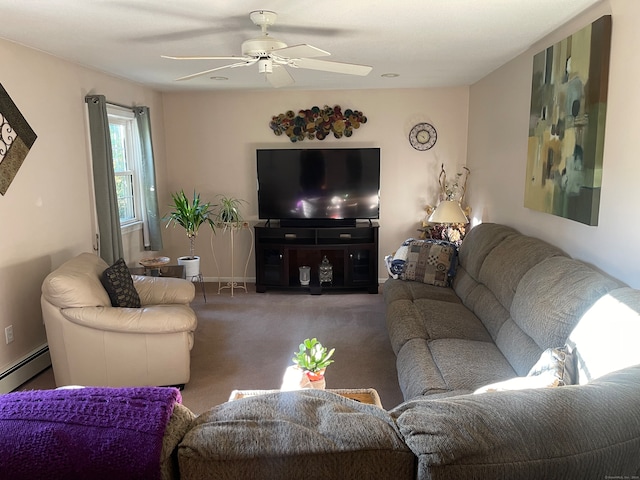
(190, 215)
(228, 214)
(313, 358)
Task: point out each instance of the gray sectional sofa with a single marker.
(469, 360)
(512, 298)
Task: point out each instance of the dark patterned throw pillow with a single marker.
(118, 283)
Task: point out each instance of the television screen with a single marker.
(318, 184)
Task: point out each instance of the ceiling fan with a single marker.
(272, 56)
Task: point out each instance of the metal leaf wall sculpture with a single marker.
(317, 122)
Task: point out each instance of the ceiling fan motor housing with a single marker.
(261, 46)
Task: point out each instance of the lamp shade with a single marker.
(448, 211)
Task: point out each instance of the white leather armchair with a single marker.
(93, 343)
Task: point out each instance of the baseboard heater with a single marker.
(25, 368)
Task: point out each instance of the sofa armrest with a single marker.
(297, 435)
(163, 290)
(587, 431)
(179, 424)
(151, 319)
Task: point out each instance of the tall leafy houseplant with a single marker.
(190, 216)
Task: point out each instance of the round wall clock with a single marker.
(423, 136)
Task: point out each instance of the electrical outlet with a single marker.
(8, 334)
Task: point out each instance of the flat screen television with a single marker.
(318, 187)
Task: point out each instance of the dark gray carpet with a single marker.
(247, 341)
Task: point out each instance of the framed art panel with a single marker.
(566, 124)
(16, 139)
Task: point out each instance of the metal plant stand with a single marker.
(232, 229)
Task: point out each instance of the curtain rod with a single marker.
(129, 107)
(115, 104)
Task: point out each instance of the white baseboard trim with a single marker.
(25, 369)
(228, 279)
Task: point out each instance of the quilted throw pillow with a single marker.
(429, 262)
(118, 283)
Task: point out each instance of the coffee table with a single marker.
(363, 395)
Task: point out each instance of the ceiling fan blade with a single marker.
(279, 77)
(335, 67)
(232, 57)
(233, 65)
(300, 51)
(174, 36)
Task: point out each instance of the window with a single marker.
(125, 148)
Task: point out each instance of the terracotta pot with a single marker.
(316, 379)
(314, 376)
(296, 378)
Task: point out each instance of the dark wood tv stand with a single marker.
(351, 250)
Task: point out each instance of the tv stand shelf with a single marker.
(351, 250)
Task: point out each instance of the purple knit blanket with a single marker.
(85, 433)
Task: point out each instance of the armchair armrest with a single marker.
(163, 290)
(151, 319)
(585, 431)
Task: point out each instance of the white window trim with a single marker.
(126, 117)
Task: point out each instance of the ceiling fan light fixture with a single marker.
(265, 65)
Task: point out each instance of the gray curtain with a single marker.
(152, 230)
(109, 236)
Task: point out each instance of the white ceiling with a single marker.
(429, 43)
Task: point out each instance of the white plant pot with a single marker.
(191, 266)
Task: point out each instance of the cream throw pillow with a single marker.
(555, 368)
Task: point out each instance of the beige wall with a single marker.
(212, 138)
(498, 129)
(47, 213)
(207, 141)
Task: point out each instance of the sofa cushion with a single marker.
(468, 364)
(404, 322)
(551, 433)
(118, 283)
(400, 290)
(478, 243)
(294, 435)
(76, 283)
(429, 262)
(484, 304)
(418, 373)
(606, 338)
(507, 263)
(450, 320)
(520, 383)
(553, 296)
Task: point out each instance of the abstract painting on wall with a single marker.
(16, 139)
(566, 124)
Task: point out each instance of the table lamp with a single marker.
(448, 211)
